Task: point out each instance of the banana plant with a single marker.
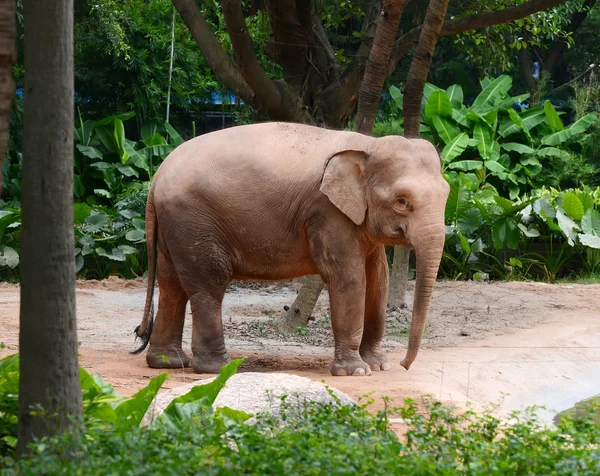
(493, 139)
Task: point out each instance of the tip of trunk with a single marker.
(410, 357)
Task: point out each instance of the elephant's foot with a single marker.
(349, 366)
(205, 363)
(169, 358)
(376, 359)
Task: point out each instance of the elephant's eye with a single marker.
(403, 204)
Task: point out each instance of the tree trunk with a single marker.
(413, 93)
(376, 70)
(48, 331)
(299, 313)
(8, 54)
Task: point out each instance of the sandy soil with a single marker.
(538, 343)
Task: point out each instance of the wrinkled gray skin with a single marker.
(275, 201)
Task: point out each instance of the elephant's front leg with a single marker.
(347, 302)
(375, 310)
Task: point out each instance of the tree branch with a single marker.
(211, 49)
(275, 98)
(473, 22)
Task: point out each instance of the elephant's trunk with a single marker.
(428, 250)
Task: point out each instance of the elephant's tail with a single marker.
(144, 330)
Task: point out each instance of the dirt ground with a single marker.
(534, 343)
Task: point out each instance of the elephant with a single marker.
(275, 201)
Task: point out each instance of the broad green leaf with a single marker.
(124, 116)
(543, 208)
(567, 227)
(445, 129)
(469, 220)
(488, 118)
(131, 411)
(517, 147)
(397, 96)
(96, 221)
(115, 254)
(149, 129)
(101, 165)
(175, 137)
(484, 82)
(458, 198)
(455, 148)
(586, 199)
(155, 139)
(553, 152)
(530, 118)
(552, 117)
(80, 212)
(107, 137)
(438, 104)
(139, 224)
(429, 89)
(134, 156)
(464, 242)
(572, 206)
(128, 250)
(529, 161)
(494, 166)
(482, 134)
(127, 170)
(8, 257)
(466, 165)
(505, 234)
(492, 94)
(119, 134)
(576, 128)
(129, 213)
(591, 241)
(135, 235)
(510, 102)
(528, 232)
(455, 93)
(102, 193)
(520, 123)
(88, 151)
(83, 133)
(590, 222)
(460, 116)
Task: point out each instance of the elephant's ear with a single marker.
(344, 183)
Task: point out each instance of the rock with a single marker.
(255, 392)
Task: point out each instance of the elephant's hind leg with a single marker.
(165, 350)
(206, 282)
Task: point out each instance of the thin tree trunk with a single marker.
(8, 54)
(376, 70)
(413, 93)
(299, 313)
(48, 332)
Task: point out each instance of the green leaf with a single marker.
(505, 234)
(127, 170)
(101, 165)
(124, 116)
(529, 161)
(530, 118)
(572, 206)
(517, 147)
(528, 232)
(458, 198)
(135, 156)
(590, 222)
(469, 220)
(455, 93)
(83, 133)
(586, 199)
(129, 213)
(492, 94)
(494, 166)
(149, 129)
(543, 208)
(429, 89)
(553, 152)
(102, 193)
(8, 257)
(488, 148)
(552, 117)
(505, 204)
(175, 137)
(135, 235)
(115, 254)
(460, 116)
(455, 147)
(89, 151)
(438, 104)
(520, 123)
(96, 221)
(576, 128)
(155, 139)
(446, 130)
(139, 224)
(591, 241)
(78, 187)
(567, 227)
(466, 165)
(464, 243)
(397, 96)
(131, 411)
(128, 250)
(80, 212)
(510, 102)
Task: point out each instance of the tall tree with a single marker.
(8, 55)
(316, 88)
(48, 331)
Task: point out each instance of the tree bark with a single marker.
(299, 313)
(48, 331)
(413, 92)
(8, 55)
(376, 71)
(525, 66)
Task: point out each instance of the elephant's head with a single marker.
(394, 190)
